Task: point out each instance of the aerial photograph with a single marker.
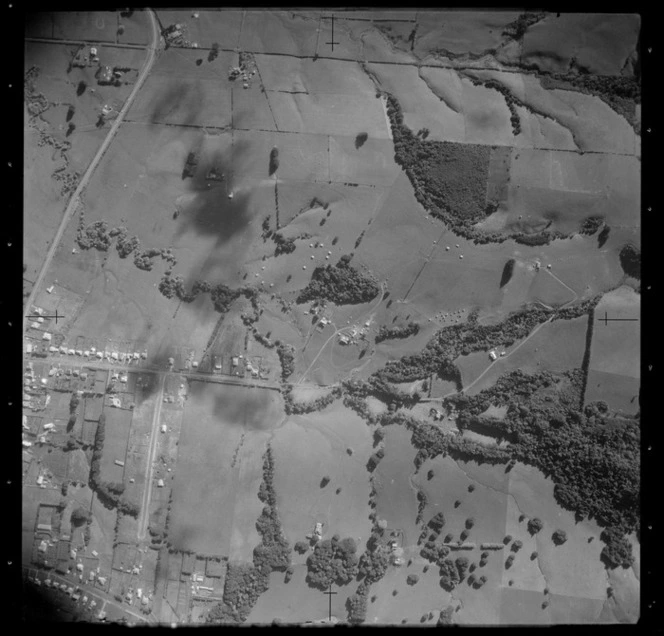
(331, 316)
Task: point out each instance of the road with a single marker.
(144, 515)
(78, 362)
(74, 201)
(94, 593)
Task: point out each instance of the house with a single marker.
(343, 339)
(492, 355)
(119, 462)
(50, 289)
(47, 336)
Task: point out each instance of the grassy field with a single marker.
(396, 500)
(557, 346)
(310, 447)
(601, 43)
(215, 501)
(615, 364)
(118, 425)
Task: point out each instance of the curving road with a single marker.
(73, 202)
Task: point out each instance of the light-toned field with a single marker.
(118, 424)
(306, 449)
(396, 499)
(215, 502)
(557, 346)
(615, 361)
(296, 602)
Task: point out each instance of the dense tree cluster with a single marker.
(517, 29)
(284, 245)
(273, 552)
(79, 517)
(392, 333)
(298, 408)
(446, 616)
(630, 260)
(109, 493)
(593, 459)
(126, 245)
(449, 179)
(620, 92)
(332, 561)
(617, 550)
(144, 260)
(286, 355)
(453, 572)
(374, 562)
(246, 582)
(243, 585)
(95, 235)
(340, 283)
(437, 522)
(591, 224)
(451, 342)
(356, 605)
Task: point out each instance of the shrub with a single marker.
(412, 579)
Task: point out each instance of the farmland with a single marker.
(350, 298)
(217, 480)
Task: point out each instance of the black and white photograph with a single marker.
(331, 316)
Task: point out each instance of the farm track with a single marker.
(337, 331)
(75, 198)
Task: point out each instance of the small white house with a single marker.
(492, 355)
(50, 289)
(47, 336)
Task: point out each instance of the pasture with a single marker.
(396, 499)
(615, 362)
(600, 42)
(224, 434)
(116, 439)
(557, 346)
(306, 449)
